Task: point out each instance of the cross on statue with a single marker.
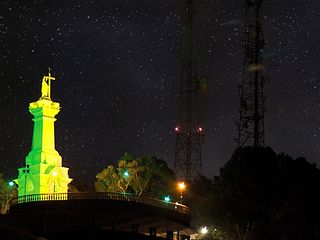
(46, 85)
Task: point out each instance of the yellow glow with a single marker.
(181, 185)
(54, 174)
(204, 230)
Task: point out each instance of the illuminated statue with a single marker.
(46, 86)
(43, 172)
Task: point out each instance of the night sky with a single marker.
(117, 66)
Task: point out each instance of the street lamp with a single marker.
(167, 198)
(204, 230)
(126, 174)
(11, 184)
(181, 187)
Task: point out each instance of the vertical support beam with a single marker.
(135, 228)
(185, 237)
(153, 232)
(169, 235)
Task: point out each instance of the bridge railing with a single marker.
(103, 196)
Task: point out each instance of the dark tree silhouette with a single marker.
(262, 195)
(162, 181)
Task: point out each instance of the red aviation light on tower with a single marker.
(200, 129)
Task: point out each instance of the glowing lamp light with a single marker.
(177, 129)
(181, 185)
(204, 230)
(11, 183)
(126, 174)
(167, 199)
(54, 174)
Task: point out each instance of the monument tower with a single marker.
(43, 171)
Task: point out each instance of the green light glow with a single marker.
(126, 174)
(167, 199)
(43, 171)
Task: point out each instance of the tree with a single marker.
(72, 188)
(156, 180)
(199, 193)
(7, 194)
(118, 179)
(262, 195)
(140, 176)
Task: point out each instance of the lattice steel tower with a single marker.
(251, 122)
(189, 129)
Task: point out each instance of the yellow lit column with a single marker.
(43, 171)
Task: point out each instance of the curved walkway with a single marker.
(103, 196)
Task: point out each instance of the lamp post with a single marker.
(181, 187)
(204, 232)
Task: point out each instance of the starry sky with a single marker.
(117, 66)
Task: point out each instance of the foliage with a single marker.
(198, 198)
(114, 179)
(72, 188)
(145, 175)
(262, 195)
(157, 179)
(7, 194)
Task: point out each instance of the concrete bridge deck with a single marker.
(87, 212)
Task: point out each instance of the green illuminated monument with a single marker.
(43, 171)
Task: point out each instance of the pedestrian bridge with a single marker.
(61, 213)
(125, 197)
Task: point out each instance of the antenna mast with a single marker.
(251, 122)
(189, 129)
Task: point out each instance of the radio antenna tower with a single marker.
(251, 122)
(189, 129)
